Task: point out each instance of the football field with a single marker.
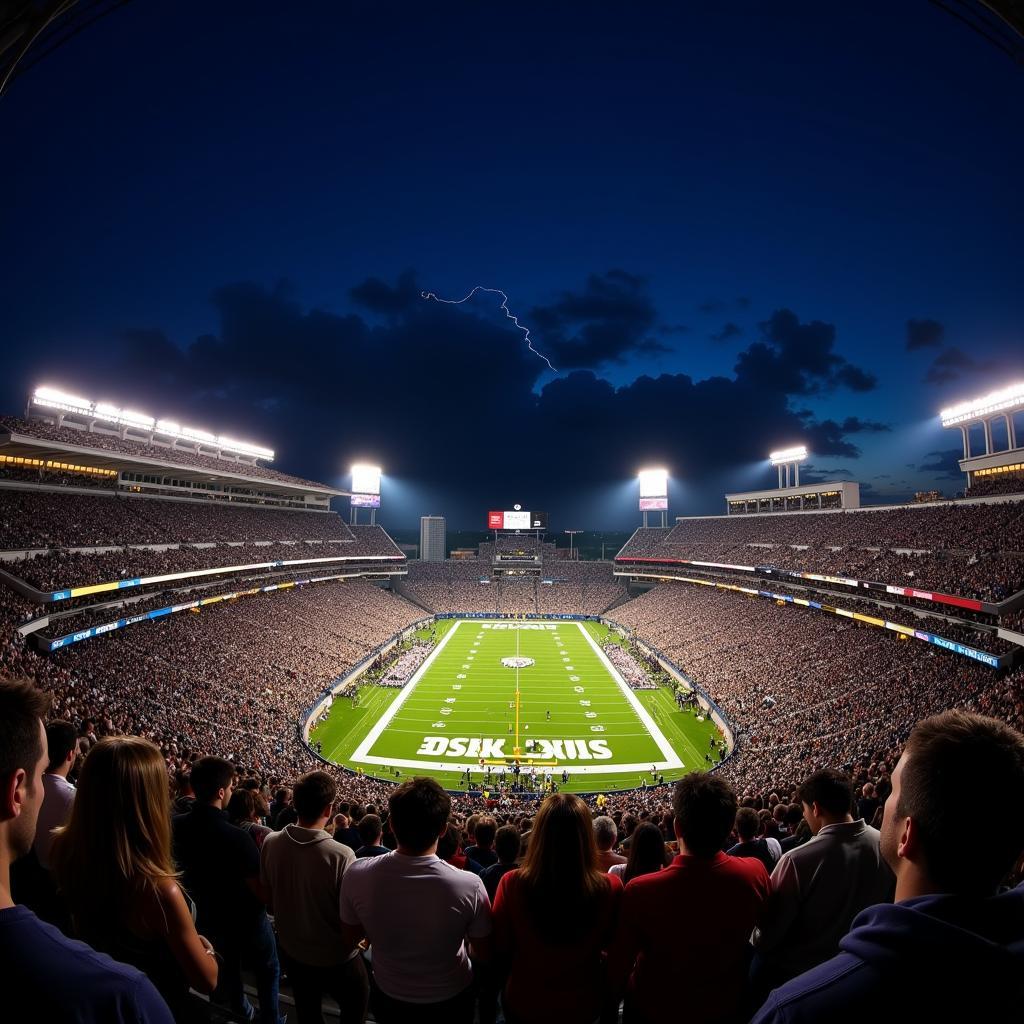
(540, 692)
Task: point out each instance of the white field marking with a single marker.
(671, 761)
(382, 723)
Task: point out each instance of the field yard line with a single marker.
(460, 766)
(382, 723)
(671, 757)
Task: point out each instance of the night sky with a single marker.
(730, 230)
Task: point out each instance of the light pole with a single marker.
(572, 534)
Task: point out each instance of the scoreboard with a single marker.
(517, 519)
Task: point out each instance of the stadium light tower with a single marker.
(572, 534)
(785, 458)
(365, 490)
(654, 493)
(1000, 404)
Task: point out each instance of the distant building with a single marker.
(433, 538)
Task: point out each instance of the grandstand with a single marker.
(229, 611)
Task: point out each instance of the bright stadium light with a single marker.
(365, 478)
(51, 398)
(785, 455)
(653, 483)
(979, 408)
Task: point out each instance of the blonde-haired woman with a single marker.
(114, 869)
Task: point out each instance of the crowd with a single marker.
(974, 550)
(54, 519)
(1004, 483)
(138, 448)
(797, 910)
(562, 588)
(637, 678)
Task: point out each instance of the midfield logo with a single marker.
(475, 747)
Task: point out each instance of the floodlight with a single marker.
(365, 478)
(60, 400)
(136, 419)
(979, 408)
(786, 455)
(653, 483)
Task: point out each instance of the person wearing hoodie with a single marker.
(302, 868)
(952, 944)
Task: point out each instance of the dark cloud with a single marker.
(379, 297)
(944, 464)
(953, 364)
(743, 302)
(924, 334)
(729, 330)
(608, 320)
(667, 329)
(712, 306)
(810, 474)
(799, 359)
(855, 425)
(446, 397)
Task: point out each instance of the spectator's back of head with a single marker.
(506, 844)
(313, 796)
(486, 827)
(61, 739)
(370, 830)
(419, 810)
(242, 806)
(748, 824)
(705, 809)
(832, 791)
(605, 832)
(209, 776)
(953, 761)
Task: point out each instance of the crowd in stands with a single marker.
(142, 449)
(1004, 483)
(574, 588)
(52, 519)
(401, 670)
(974, 550)
(799, 910)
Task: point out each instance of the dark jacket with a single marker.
(929, 958)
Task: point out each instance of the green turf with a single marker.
(464, 694)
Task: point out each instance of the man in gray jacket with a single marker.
(820, 887)
(302, 867)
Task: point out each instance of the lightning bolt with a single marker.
(504, 305)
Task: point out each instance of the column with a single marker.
(1011, 431)
(988, 436)
(967, 444)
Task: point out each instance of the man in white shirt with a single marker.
(58, 793)
(419, 915)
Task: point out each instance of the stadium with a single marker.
(169, 583)
(685, 339)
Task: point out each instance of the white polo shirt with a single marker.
(417, 913)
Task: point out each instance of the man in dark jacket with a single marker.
(951, 944)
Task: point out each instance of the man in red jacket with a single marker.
(694, 916)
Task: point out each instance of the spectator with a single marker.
(302, 868)
(243, 812)
(59, 794)
(646, 854)
(820, 887)
(719, 898)
(418, 914)
(506, 845)
(113, 866)
(221, 870)
(371, 832)
(345, 833)
(606, 835)
(448, 851)
(952, 945)
(282, 800)
(748, 823)
(482, 851)
(93, 989)
(554, 918)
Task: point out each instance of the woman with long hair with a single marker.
(553, 920)
(114, 869)
(647, 854)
